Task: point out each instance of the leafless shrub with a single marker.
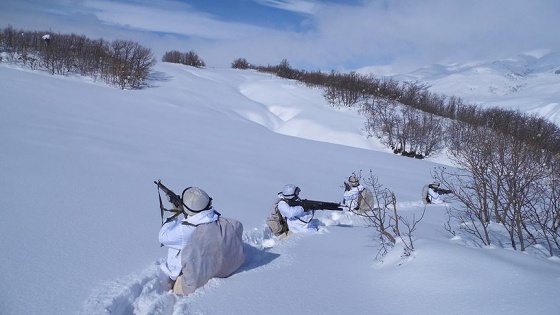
(190, 58)
(345, 89)
(384, 217)
(406, 130)
(505, 180)
(240, 63)
(122, 63)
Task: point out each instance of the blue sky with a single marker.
(390, 36)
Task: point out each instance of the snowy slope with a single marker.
(529, 82)
(80, 210)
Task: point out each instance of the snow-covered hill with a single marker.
(529, 82)
(80, 212)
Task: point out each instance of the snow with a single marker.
(80, 209)
(529, 82)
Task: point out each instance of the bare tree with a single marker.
(382, 120)
(123, 63)
(173, 56)
(406, 130)
(130, 63)
(240, 63)
(346, 89)
(499, 182)
(544, 215)
(472, 216)
(192, 59)
(431, 136)
(384, 217)
(141, 62)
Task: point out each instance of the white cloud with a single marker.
(298, 6)
(169, 17)
(403, 34)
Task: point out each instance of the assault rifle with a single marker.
(320, 205)
(441, 191)
(173, 198)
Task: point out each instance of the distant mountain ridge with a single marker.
(529, 82)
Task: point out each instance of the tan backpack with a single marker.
(276, 222)
(365, 200)
(215, 250)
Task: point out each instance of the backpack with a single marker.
(425, 197)
(215, 250)
(276, 222)
(365, 200)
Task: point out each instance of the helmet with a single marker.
(195, 200)
(353, 180)
(435, 184)
(290, 191)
